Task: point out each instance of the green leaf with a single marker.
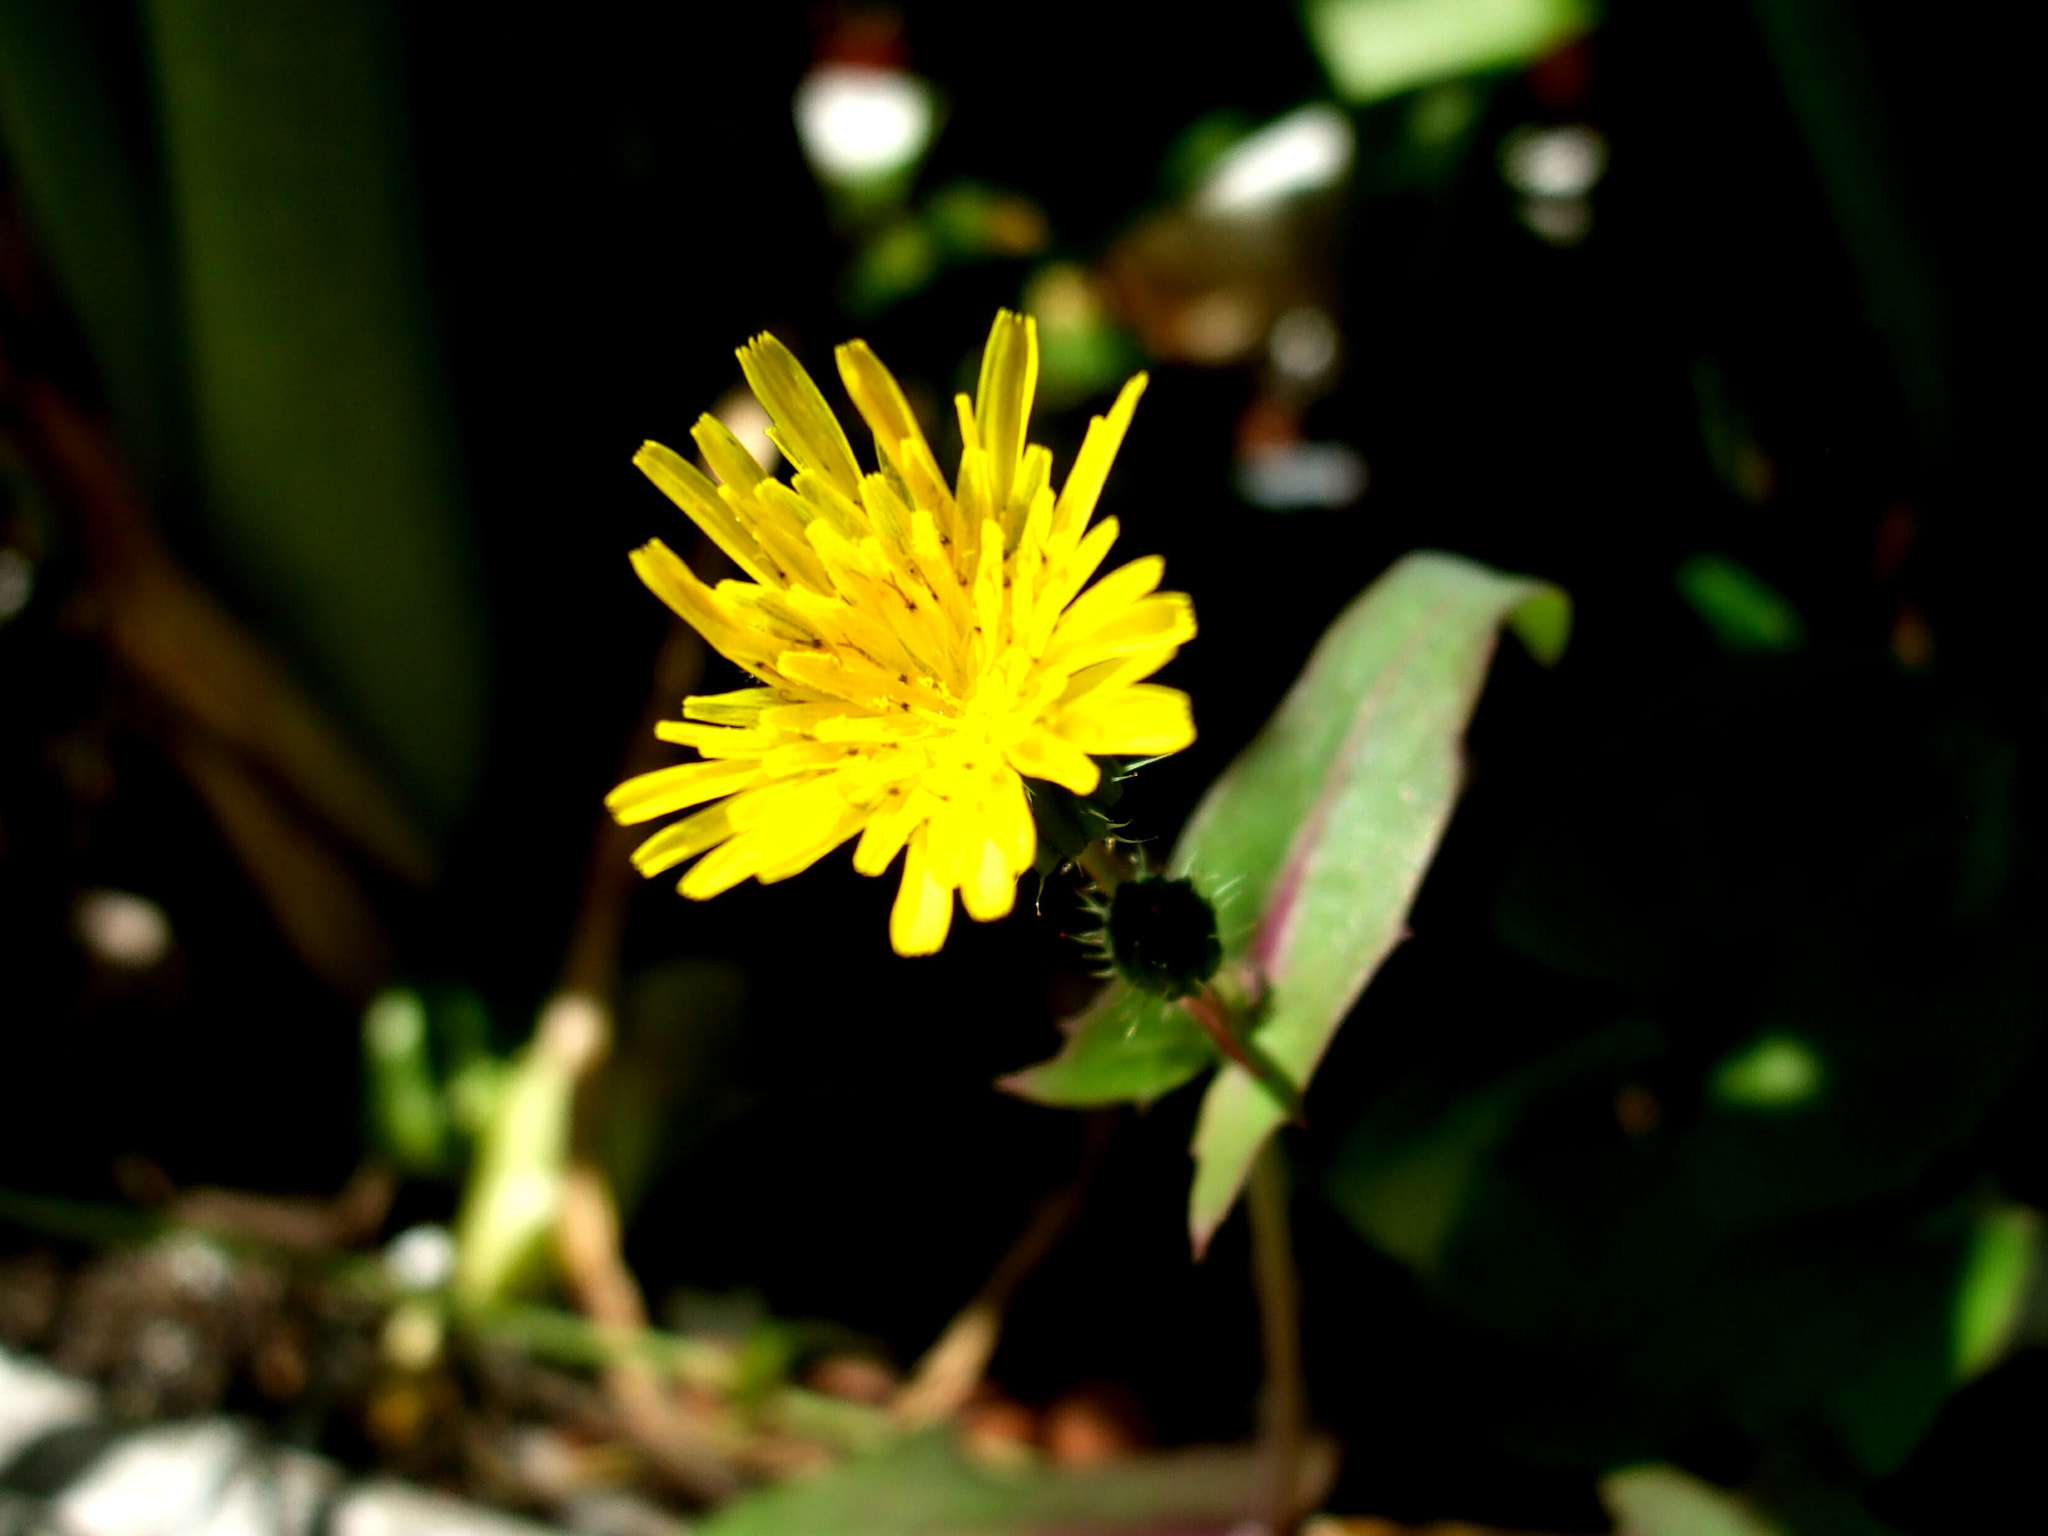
(1373, 49)
(2002, 1268)
(1311, 846)
(1658, 1500)
(1831, 85)
(1406, 1170)
(326, 437)
(1747, 615)
(1315, 840)
(1126, 1045)
(92, 214)
(925, 1486)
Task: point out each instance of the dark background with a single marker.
(613, 198)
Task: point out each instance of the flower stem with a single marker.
(1284, 1409)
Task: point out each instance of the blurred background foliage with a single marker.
(1700, 1120)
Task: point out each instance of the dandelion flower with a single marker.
(921, 650)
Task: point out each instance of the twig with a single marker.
(953, 1367)
(682, 1449)
(1285, 1402)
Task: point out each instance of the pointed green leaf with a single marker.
(1317, 837)
(1126, 1045)
(327, 446)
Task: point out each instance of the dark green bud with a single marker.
(1162, 936)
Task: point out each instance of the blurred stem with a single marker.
(1285, 1405)
(609, 878)
(953, 1367)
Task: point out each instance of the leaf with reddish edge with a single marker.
(1318, 835)
(1311, 846)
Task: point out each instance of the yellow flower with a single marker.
(922, 650)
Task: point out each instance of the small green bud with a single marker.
(1162, 936)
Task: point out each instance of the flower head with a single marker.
(922, 649)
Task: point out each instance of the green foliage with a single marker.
(1657, 1500)
(960, 222)
(1373, 49)
(925, 1486)
(94, 213)
(1311, 846)
(677, 1026)
(2003, 1266)
(326, 441)
(408, 1122)
(1746, 614)
(1731, 1208)
(1776, 1071)
(1831, 87)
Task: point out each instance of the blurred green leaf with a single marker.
(962, 221)
(2003, 1264)
(1658, 1500)
(1373, 49)
(1406, 1168)
(1774, 1071)
(1747, 615)
(326, 441)
(1818, 49)
(407, 1121)
(1315, 840)
(925, 1486)
(1197, 147)
(62, 135)
(676, 1023)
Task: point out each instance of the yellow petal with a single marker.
(730, 459)
(669, 579)
(879, 399)
(1066, 576)
(682, 840)
(1143, 720)
(684, 484)
(1109, 596)
(742, 706)
(886, 832)
(1010, 825)
(1091, 465)
(989, 889)
(924, 906)
(722, 868)
(649, 795)
(1165, 619)
(1002, 410)
(800, 844)
(1042, 755)
(806, 431)
(714, 740)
